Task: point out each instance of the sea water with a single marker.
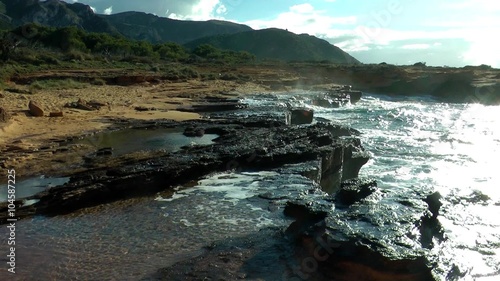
(420, 145)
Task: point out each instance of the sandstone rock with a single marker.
(35, 109)
(56, 114)
(4, 116)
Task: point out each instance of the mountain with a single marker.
(133, 25)
(278, 44)
(264, 44)
(156, 29)
(55, 13)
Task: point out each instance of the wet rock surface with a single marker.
(299, 116)
(243, 145)
(343, 228)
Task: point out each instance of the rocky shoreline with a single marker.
(249, 144)
(319, 245)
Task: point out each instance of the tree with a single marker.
(207, 51)
(8, 45)
(171, 51)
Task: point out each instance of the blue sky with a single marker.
(444, 32)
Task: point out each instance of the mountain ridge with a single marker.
(280, 44)
(270, 43)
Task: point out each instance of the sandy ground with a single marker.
(121, 102)
(26, 142)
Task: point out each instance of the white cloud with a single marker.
(416, 46)
(203, 10)
(304, 18)
(108, 11)
(302, 8)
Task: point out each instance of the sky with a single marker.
(439, 33)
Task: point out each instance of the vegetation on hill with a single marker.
(133, 25)
(274, 44)
(142, 26)
(77, 42)
(33, 47)
(278, 44)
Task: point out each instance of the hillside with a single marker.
(133, 25)
(278, 44)
(142, 26)
(264, 44)
(55, 13)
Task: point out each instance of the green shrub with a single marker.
(57, 84)
(98, 82)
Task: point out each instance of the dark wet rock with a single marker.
(247, 144)
(355, 96)
(434, 202)
(354, 190)
(194, 132)
(329, 102)
(106, 151)
(345, 93)
(213, 107)
(260, 256)
(476, 197)
(366, 242)
(1, 96)
(489, 94)
(299, 116)
(4, 115)
(217, 99)
(430, 228)
(456, 88)
(35, 109)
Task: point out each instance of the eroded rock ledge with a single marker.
(251, 144)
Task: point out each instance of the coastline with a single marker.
(249, 144)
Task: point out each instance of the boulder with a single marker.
(299, 116)
(35, 109)
(4, 115)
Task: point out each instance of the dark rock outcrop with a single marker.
(194, 132)
(243, 145)
(299, 116)
(429, 225)
(354, 190)
(363, 242)
(213, 107)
